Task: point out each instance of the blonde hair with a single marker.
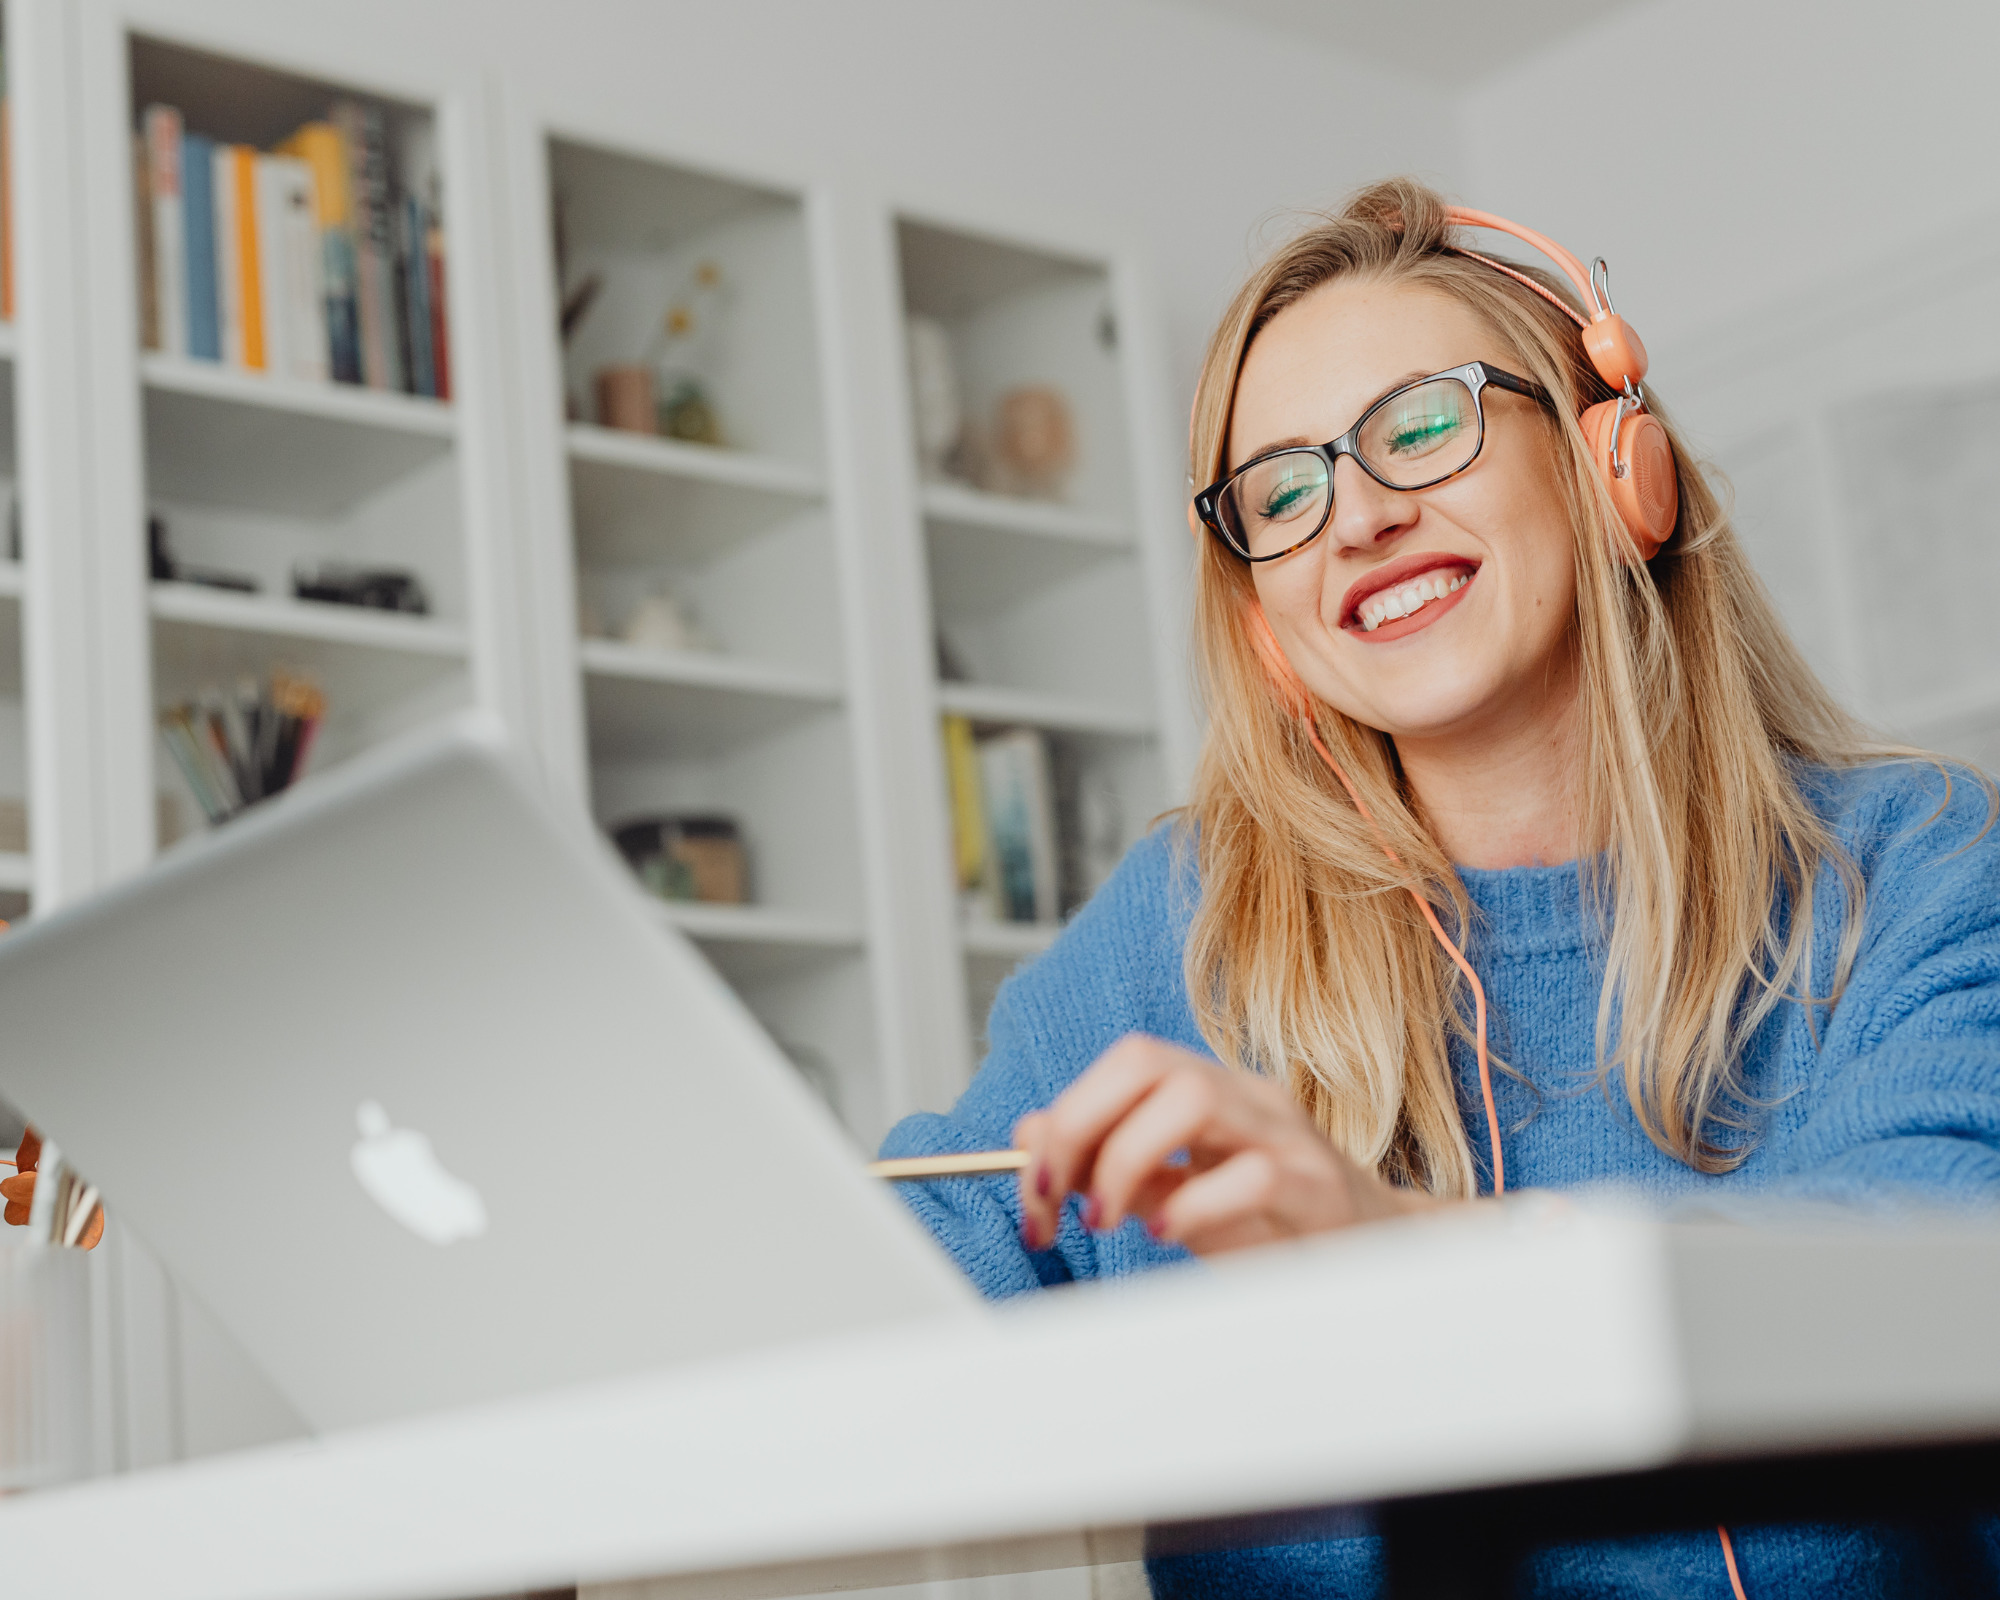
(1308, 960)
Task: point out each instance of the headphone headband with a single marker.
(1608, 339)
(1572, 268)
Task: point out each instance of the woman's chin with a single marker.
(1421, 718)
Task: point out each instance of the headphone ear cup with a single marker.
(1285, 683)
(1648, 497)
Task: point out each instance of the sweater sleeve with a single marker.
(1114, 970)
(1906, 1107)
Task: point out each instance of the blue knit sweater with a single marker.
(1898, 1101)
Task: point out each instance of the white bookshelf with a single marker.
(1039, 600)
(17, 869)
(756, 726)
(260, 475)
(815, 563)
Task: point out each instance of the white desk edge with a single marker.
(1523, 1343)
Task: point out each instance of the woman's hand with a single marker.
(1257, 1170)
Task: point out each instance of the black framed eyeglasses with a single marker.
(1411, 438)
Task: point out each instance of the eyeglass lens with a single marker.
(1410, 440)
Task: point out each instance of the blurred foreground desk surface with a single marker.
(1532, 1370)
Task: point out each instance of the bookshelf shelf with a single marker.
(675, 458)
(360, 678)
(960, 505)
(276, 618)
(985, 703)
(642, 704)
(761, 925)
(695, 669)
(1014, 941)
(337, 402)
(219, 437)
(17, 872)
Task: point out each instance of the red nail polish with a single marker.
(1091, 1212)
(1042, 1179)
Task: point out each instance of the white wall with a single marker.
(1726, 154)
(1801, 206)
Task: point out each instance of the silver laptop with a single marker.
(400, 1078)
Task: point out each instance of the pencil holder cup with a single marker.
(44, 1365)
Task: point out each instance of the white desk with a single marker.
(1516, 1346)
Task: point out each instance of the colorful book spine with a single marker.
(304, 297)
(142, 246)
(240, 299)
(440, 323)
(320, 146)
(249, 259)
(1014, 769)
(968, 808)
(162, 125)
(204, 313)
(414, 262)
(288, 269)
(366, 139)
(6, 192)
(269, 184)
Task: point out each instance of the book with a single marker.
(968, 805)
(1014, 774)
(6, 191)
(289, 269)
(142, 245)
(320, 146)
(365, 138)
(413, 273)
(162, 128)
(204, 314)
(229, 259)
(440, 340)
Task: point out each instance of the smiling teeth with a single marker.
(1387, 605)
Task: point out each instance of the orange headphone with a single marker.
(1626, 441)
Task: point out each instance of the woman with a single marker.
(1613, 779)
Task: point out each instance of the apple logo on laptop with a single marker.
(403, 1176)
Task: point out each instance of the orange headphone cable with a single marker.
(1729, 1559)
(1450, 949)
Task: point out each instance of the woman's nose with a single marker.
(1366, 515)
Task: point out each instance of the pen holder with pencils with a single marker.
(45, 1345)
(236, 749)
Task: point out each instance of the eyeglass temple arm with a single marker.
(1507, 381)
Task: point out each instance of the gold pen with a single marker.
(966, 1164)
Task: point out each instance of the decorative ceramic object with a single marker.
(664, 621)
(1034, 443)
(685, 413)
(625, 399)
(687, 857)
(940, 417)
